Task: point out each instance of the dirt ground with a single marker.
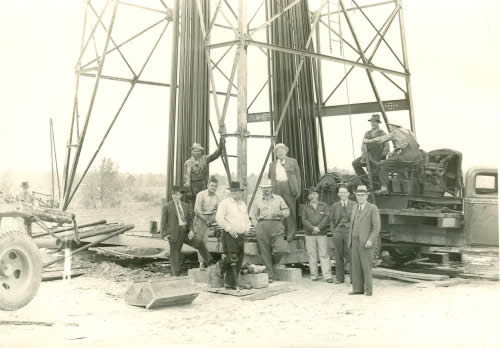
(90, 311)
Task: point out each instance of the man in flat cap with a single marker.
(363, 234)
(232, 217)
(205, 208)
(406, 149)
(176, 227)
(284, 173)
(315, 219)
(267, 215)
(196, 170)
(375, 151)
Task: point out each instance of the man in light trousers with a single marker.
(315, 219)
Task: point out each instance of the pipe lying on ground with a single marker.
(120, 231)
(83, 235)
(100, 222)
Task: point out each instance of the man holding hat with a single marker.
(196, 169)
(340, 222)
(267, 215)
(406, 148)
(315, 219)
(232, 217)
(176, 227)
(363, 234)
(284, 173)
(375, 151)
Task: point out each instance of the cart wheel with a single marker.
(20, 270)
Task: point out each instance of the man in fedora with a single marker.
(406, 149)
(284, 173)
(232, 217)
(340, 222)
(363, 234)
(375, 151)
(267, 215)
(196, 170)
(176, 227)
(315, 219)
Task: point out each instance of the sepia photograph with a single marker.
(249, 173)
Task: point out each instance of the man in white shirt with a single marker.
(232, 217)
(285, 176)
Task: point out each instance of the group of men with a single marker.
(355, 225)
(273, 216)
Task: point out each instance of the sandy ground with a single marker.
(91, 312)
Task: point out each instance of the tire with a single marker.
(20, 270)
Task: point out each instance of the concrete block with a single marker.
(288, 274)
(257, 281)
(161, 293)
(199, 276)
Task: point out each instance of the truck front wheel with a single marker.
(20, 270)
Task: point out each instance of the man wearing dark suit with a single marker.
(284, 173)
(363, 234)
(177, 227)
(340, 223)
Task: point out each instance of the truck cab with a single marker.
(481, 207)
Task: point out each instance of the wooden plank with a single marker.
(423, 276)
(404, 279)
(236, 293)
(48, 276)
(268, 293)
(420, 212)
(21, 322)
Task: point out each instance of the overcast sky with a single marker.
(454, 52)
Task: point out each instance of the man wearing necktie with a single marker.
(340, 222)
(363, 234)
(284, 173)
(176, 227)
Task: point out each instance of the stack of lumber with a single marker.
(481, 262)
(409, 277)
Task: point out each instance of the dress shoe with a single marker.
(229, 287)
(368, 293)
(245, 286)
(355, 293)
(314, 279)
(329, 280)
(270, 280)
(338, 282)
